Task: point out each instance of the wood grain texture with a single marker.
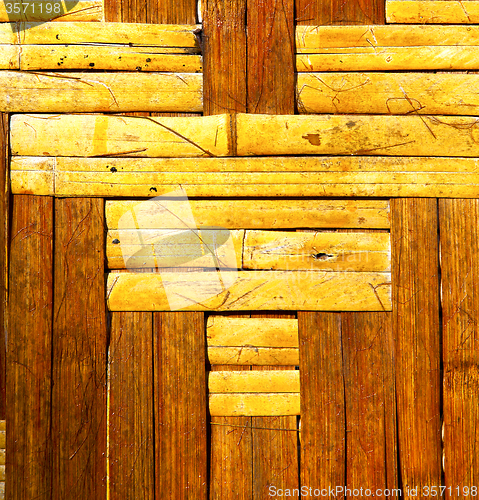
(29, 353)
(131, 422)
(434, 12)
(79, 410)
(415, 279)
(339, 12)
(323, 419)
(180, 393)
(4, 228)
(71, 10)
(458, 221)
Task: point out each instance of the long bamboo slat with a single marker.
(254, 405)
(229, 382)
(250, 290)
(432, 11)
(66, 10)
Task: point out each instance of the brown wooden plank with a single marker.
(460, 291)
(131, 436)
(319, 12)
(29, 353)
(368, 357)
(4, 206)
(79, 351)
(323, 420)
(180, 405)
(168, 11)
(415, 282)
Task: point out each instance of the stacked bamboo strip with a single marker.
(432, 11)
(54, 10)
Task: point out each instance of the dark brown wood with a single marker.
(181, 452)
(319, 12)
(459, 220)
(4, 203)
(323, 437)
(79, 351)
(368, 357)
(29, 353)
(131, 433)
(415, 289)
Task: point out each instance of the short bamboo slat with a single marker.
(432, 11)
(66, 10)
(254, 405)
(269, 381)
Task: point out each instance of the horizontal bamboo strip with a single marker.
(71, 10)
(318, 251)
(2, 457)
(257, 332)
(388, 93)
(9, 57)
(97, 92)
(253, 381)
(432, 11)
(253, 405)
(255, 356)
(2, 472)
(250, 214)
(249, 290)
(103, 135)
(2, 439)
(161, 248)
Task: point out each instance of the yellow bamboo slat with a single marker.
(8, 34)
(64, 10)
(9, 57)
(253, 356)
(249, 290)
(74, 92)
(253, 405)
(319, 251)
(431, 11)
(2, 457)
(250, 214)
(225, 331)
(388, 93)
(174, 248)
(2, 472)
(268, 381)
(103, 135)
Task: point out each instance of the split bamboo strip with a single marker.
(225, 331)
(253, 382)
(254, 405)
(9, 57)
(388, 93)
(106, 135)
(250, 214)
(24, 92)
(250, 290)
(64, 10)
(432, 11)
(253, 356)
(460, 286)
(318, 251)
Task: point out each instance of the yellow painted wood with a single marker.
(269, 381)
(250, 290)
(97, 57)
(358, 135)
(253, 405)
(431, 11)
(318, 251)
(255, 356)
(257, 332)
(388, 93)
(103, 135)
(172, 248)
(255, 214)
(24, 92)
(73, 10)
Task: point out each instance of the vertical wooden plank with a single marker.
(131, 435)
(79, 351)
(415, 289)
(459, 220)
(368, 357)
(172, 12)
(29, 353)
(323, 437)
(4, 199)
(181, 406)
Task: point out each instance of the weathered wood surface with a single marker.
(228, 382)
(254, 405)
(253, 356)
(70, 10)
(432, 11)
(24, 92)
(388, 93)
(4, 245)
(29, 353)
(458, 221)
(79, 398)
(180, 393)
(250, 290)
(250, 214)
(339, 12)
(415, 269)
